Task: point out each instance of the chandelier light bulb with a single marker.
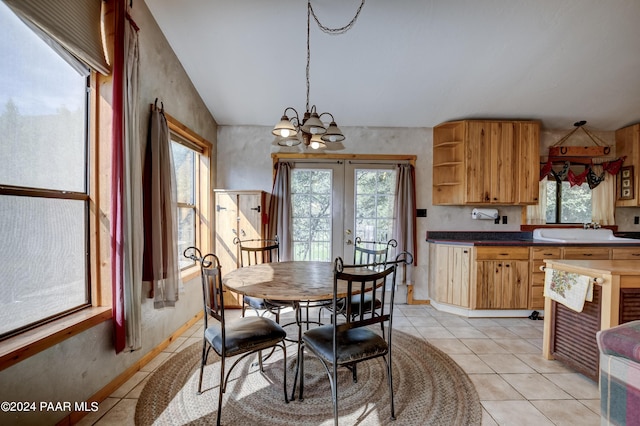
(289, 141)
(315, 145)
(284, 133)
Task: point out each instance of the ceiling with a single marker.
(412, 63)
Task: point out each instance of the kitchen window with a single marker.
(568, 204)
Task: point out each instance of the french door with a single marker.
(333, 203)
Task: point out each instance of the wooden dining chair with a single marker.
(354, 341)
(243, 336)
(254, 252)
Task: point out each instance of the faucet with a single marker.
(595, 225)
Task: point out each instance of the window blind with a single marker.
(75, 24)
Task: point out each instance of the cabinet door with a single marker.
(226, 211)
(515, 279)
(528, 159)
(488, 284)
(250, 211)
(459, 276)
(478, 162)
(502, 163)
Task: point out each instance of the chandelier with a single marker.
(310, 130)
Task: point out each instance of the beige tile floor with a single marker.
(501, 355)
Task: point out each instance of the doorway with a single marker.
(334, 202)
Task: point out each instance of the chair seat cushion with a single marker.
(245, 335)
(354, 345)
(258, 303)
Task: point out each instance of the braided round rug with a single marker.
(429, 389)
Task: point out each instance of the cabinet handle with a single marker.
(588, 254)
(635, 254)
(256, 208)
(219, 207)
(465, 251)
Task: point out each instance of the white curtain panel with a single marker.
(280, 210)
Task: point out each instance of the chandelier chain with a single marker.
(324, 28)
(340, 30)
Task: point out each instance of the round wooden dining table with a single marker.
(291, 281)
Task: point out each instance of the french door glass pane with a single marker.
(186, 234)
(311, 214)
(374, 198)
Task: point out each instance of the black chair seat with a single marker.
(265, 304)
(356, 344)
(245, 334)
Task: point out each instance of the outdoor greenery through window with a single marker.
(311, 215)
(374, 192)
(568, 204)
(185, 165)
(44, 200)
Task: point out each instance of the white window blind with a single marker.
(75, 24)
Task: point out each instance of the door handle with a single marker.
(256, 208)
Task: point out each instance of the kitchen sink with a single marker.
(579, 236)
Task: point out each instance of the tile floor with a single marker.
(501, 355)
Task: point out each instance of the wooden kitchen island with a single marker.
(570, 336)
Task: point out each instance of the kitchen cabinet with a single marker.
(486, 162)
(536, 279)
(628, 144)
(502, 278)
(242, 214)
(451, 273)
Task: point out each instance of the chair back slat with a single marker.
(257, 251)
(212, 288)
(372, 252)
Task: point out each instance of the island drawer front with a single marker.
(537, 279)
(498, 253)
(546, 253)
(628, 253)
(586, 253)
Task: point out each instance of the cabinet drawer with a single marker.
(586, 253)
(629, 253)
(537, 279)
(546, 252)
(498, 253)
(536, 297)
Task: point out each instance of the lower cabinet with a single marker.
(502, 278)
(451, 266)
(536, 280)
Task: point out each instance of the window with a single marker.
(311, 215)
(568, 204)
(191, 164)
(374, 198)
(44, 196)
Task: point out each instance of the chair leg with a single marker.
(221, 390)
(390, 381)
(284, 378)
(334, 393)
(203, 361)
(354, 370)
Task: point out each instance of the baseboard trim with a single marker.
(484, 313)
(412, 301)
(103, 393)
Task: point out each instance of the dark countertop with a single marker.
(512, 239)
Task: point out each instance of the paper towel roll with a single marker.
(484, 214)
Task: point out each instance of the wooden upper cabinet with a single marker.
(628, 144)
(486, 162)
